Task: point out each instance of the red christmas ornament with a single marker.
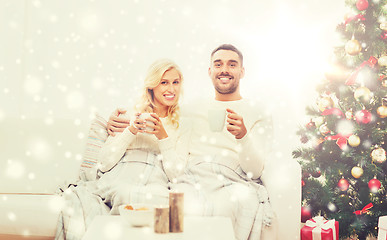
(333, 111)
(302, 183)
(362, 5)
(363, 117)
(343, 184)
(316, 173)
(374, 185)
(310, 125)
(305, 214)
(383, 35)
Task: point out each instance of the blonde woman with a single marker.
(153, 149)
(138, 163)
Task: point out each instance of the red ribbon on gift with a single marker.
(372, 61)
(317, 228)
(364, 210)
(355, 17)
(341, 139)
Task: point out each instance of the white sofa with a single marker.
(39, 155)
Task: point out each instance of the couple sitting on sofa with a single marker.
(159, 147)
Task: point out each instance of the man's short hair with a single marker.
(231, 48)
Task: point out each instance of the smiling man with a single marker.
(222, 176)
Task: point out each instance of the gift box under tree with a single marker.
(319, 228)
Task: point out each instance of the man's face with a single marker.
(225, 71)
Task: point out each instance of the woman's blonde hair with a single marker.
(152, 80)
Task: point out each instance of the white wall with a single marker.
(66, 59)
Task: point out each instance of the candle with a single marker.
(161, 219)
(176, 212)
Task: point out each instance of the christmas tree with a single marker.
(343, 150)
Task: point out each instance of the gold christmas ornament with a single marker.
(363, 94)
(378, 155)
(353, 47)
(357, 172)
(318, 121)
(325, 103)
(324, 130)
(383, 26)
(349, 114)
(354, 141)
(382, 111)
(353, 237)
(384, 82)
(336, 73)
(382, 61)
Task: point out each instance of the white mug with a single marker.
(216, 119)
(145, 116)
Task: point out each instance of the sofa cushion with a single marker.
(94, 142)
(29, 214)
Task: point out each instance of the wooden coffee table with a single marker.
(195, 228)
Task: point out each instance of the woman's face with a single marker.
(167, 92)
